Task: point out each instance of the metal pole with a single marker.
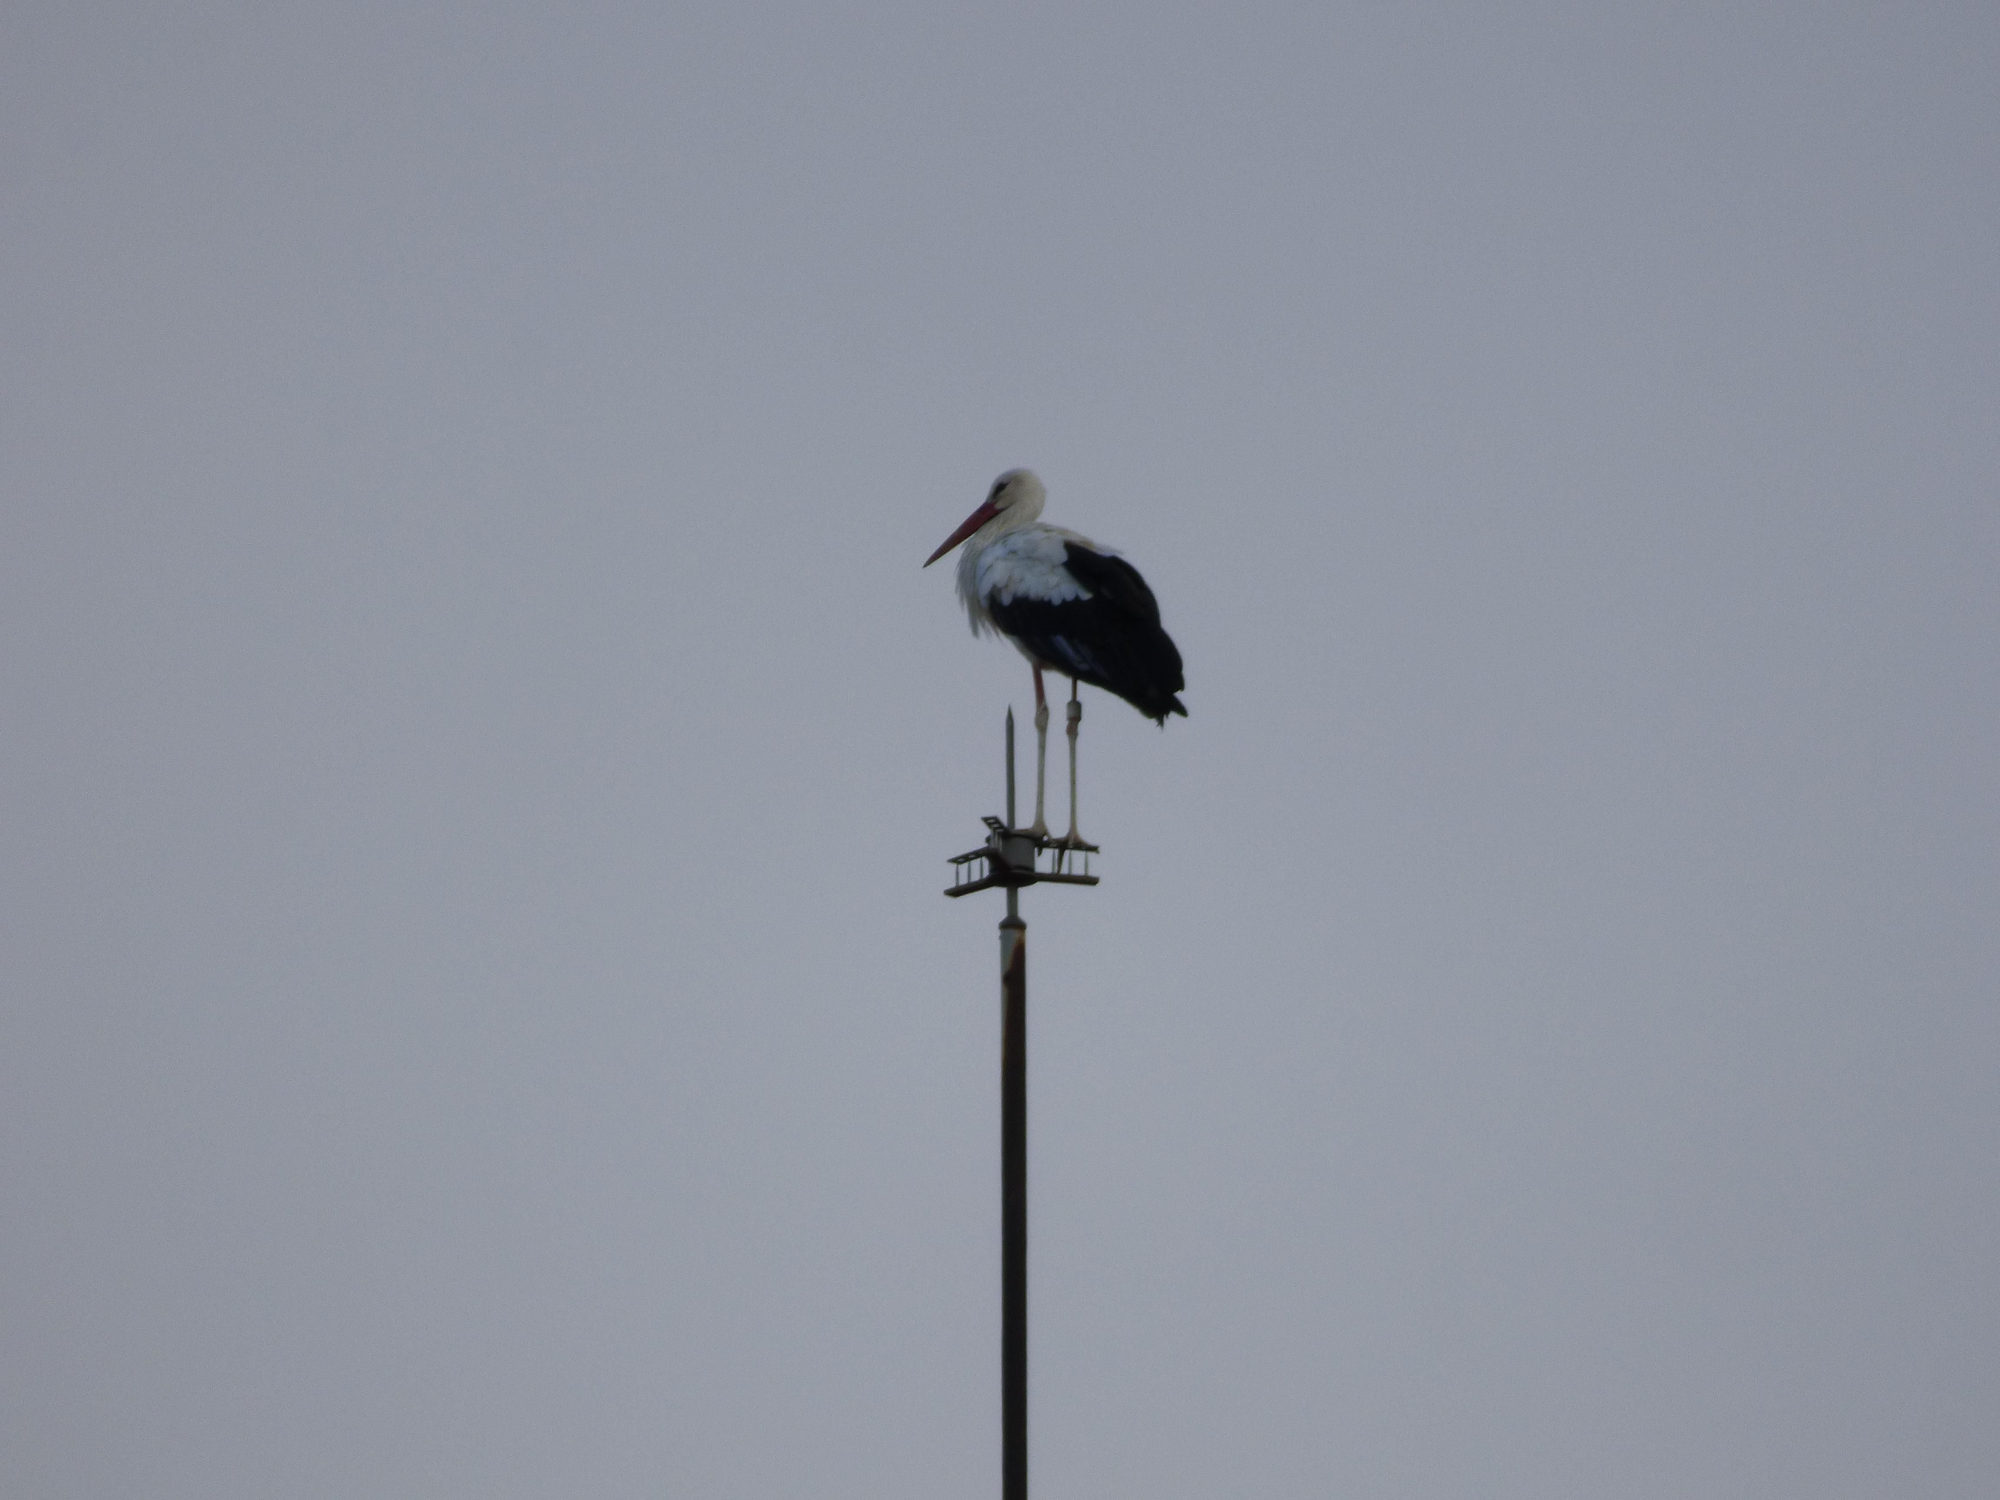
(1013, 1180)
(1009, 859)
(1013, 1202)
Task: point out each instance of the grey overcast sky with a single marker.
(480, 1019)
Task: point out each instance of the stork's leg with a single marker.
(1075, 719)
(1040, 827)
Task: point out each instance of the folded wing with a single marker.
(1111, 639)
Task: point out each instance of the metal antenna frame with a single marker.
(1012, 858)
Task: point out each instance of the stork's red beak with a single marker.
(966, 527)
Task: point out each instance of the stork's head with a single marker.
(1015, 500)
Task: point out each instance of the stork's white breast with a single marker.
(1029, 564)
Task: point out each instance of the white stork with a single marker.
(1069, 606)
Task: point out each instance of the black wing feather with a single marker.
(1111, 640)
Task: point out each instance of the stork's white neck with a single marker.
(1023, 512)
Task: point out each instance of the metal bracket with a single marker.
(1013, 857)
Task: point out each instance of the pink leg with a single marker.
(1040, 827)
(1074, 839)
